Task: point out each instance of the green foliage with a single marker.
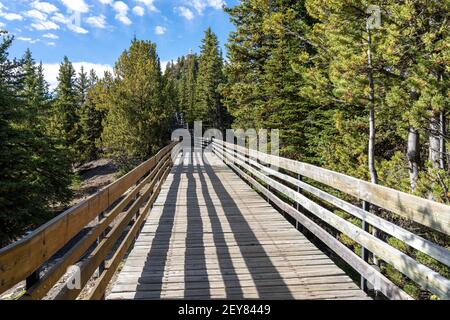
(66, 116)
(91, 116)
(263, 87)
(137, 122)
(34, 169)
(187, 78)
(303, 67)
(208, 105)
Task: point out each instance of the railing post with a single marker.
(297, 205)
(101, 266)
(364, 252)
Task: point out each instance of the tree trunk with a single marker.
(442, 140)
(434, 141)
(413, 153)
(371, 148)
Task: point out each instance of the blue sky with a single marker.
(94, 32)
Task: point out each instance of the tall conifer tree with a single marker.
(208, 104)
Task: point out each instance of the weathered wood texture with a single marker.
(426, 212)
(245, 162)
(22, 258)
(209, 235)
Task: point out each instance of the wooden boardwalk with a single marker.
(209, 235)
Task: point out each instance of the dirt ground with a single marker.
(94, 176)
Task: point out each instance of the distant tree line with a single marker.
(196, 82)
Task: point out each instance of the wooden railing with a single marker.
(110, 219)
(253, 166)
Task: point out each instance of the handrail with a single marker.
(24, 257)
(426, 212)
(245, 162)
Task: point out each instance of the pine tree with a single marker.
(136, 124)
(34, 170)
(208, 105)
(263, 87)
(419, 56)
(82, 85)
(66, 113)
(171, 93)
(91, 116)
(187, 87)
(248, 50)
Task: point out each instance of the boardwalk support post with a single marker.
(299, 178)
(364, 252)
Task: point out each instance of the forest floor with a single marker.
(93, 176)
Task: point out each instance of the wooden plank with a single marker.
(125, 278)
(250, 293)
(421, 274)
(199, 242)
(433, 250)
(428, 213)
(40, 289)
(20, 259)
(373, 276)
(102, 282)
(89, 266)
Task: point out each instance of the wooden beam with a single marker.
(22, 258)
(389, 289)
(421, 274)
(426, 212)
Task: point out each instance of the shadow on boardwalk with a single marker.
(198, 261)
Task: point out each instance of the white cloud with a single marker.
(44, 25)
(201, 5)
(139, 11)
(106, 1)
(51, 43)
(2, 25)
(164, 65)
(71, 25)
(36, 14)
(77, 29)
(26, 39)
(160, 30)
(60, 18)
(76, 5)
(44, 7)
(149, 3)
(124, 19)
(121, 9)
(185, 12)
(50, 36)
(11, 16)
(51, 70)
(97, 21)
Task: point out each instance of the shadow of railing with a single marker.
(225, 261)
(151, 280)
(194, 256)
(262, 268)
